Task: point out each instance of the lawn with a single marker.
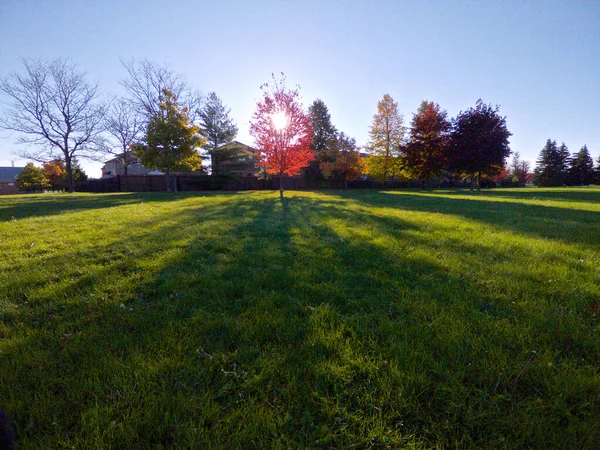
(359, 319)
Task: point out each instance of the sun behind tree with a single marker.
(282, 131)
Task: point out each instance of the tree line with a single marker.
(171, 127)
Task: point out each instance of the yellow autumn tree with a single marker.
(386, 138)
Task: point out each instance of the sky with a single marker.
(538, 60)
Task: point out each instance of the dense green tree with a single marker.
(323, 132)
(171, 142)
(31, 178)
(424, 154)
(479, 142)
(550, 167)
(217, 127)
(581, 168)
(386, 140)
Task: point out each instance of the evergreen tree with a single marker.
(581, 168)
(550, 166)
(424, 154)
(31, 178)
(479, 142)
(219, 130)
(597, 171)
(323, 132)
(171, 142)
(386, 139)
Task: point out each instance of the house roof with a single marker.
(238, 144)
(130, 157)
(9, 173)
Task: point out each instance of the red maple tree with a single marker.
(282, 131)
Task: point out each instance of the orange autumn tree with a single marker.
(281, 130)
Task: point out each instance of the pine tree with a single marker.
(386, 139)
(581, 168)
(219, 130)
(171, 142)
(424, 155)
(323, 132)
(550, 167)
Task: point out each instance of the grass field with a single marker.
(330, 320)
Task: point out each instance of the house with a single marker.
(8, 175)
(235, 158)
(116, 166)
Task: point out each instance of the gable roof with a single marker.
(9, 173)
(238, 144)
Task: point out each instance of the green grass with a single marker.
(333, 319)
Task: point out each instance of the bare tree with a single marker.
(146, 82)
(53, 108)
(124, 127)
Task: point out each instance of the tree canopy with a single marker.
(551, 166)
(218, 129)
(341, 161)
(479, 141)
(424, 154)
(31, 178)
(171, 142)
(282, 130)
(581, 168)
(386, 139)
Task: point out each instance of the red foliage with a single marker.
(286, 150)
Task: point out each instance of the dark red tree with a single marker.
(282, 131)
(479, 142)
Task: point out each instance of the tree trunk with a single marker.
(472, 181)
(281, 185)
(175, 182)
(70, 182)
(478, 181)
(168, 188)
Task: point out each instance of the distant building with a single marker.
(116, 166)
(8, 175)
(245, 165)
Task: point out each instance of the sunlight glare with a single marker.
(279, 120)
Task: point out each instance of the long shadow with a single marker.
(269, 324)
(54, 204)
(571, 226)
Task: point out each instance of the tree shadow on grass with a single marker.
(21, 207)
(299, 323)
(570, 226)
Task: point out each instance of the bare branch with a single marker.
(53, 108)
(146, 81)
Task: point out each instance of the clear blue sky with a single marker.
(538, 60)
